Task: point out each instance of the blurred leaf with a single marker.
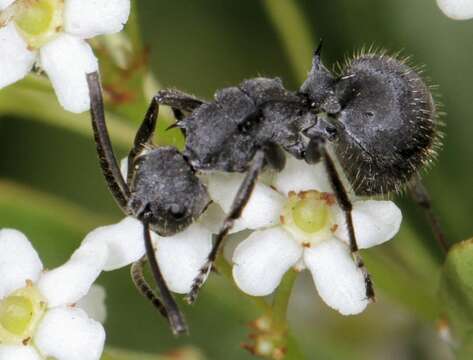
(34, 99)
(178, 354)
(456, 291)
(291, 24)
(466, 350)
(402, 286)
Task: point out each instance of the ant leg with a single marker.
(346, 205)
(421, 196)
(178, 101)
(239, 202)
(137, 275)
(107, 159)
(144, 135)
(175, 317)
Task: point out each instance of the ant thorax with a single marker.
(226, 133)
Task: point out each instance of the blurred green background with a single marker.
(52, 189)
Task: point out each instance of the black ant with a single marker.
(378, 114)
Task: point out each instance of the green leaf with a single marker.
(456, 290)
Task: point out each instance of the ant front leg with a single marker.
(239, 202)
(178, 101)
(138, 277)
(319, 151)
(108, 162)
(175, 317)
(421, 196)
(143, 136)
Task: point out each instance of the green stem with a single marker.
(277, 311)
(294, 32)
(281, 299)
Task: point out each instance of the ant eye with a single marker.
(369, 114)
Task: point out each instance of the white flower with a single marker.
(40, 317)
(179, 256)
(457, 9)
(299, 224)
(52, 33)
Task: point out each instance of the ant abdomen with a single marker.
(388, 125)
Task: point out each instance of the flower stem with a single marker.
(294, 32)
(276, 312)
(281, 299)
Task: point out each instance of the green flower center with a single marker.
(20, 313)
(38, 21)
(15, 314)
(308, 216)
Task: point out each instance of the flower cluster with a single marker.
(295, 222)
(49, 313)
(52, 34)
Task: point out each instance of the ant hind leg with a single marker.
(421, 196)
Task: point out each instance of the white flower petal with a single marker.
(94, 303)
(457, 9)
(5, 3)
(69, 334)
(261, 260)
(67, 60)
(15, 58)
(19, 261)
(18, 352)
(70, 282)
(262, 210)
(375, 222)
(89, 18)
(339, 281)
(299, 176)
(124, 241)
(181, 256)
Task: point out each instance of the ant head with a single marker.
(385, 119)
(167, 190)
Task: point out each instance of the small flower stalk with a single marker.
(52, 34)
